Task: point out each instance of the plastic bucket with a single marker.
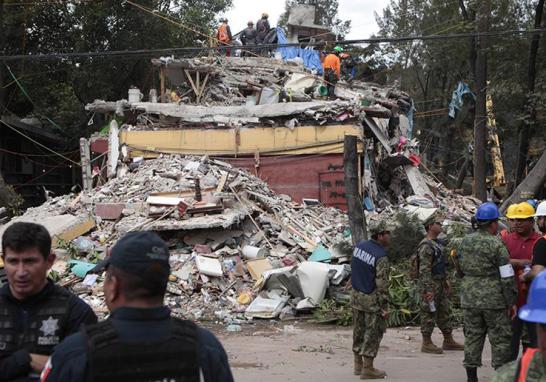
(250, 252)
(135, 95)
(323, 90)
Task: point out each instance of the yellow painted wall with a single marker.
(240, 141)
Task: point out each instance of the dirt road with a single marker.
(300, 352)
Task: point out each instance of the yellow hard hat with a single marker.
(265, 14)
(522, 211)
(510, 211)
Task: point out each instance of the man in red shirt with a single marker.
(520, 244)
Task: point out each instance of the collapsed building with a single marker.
(238, 164)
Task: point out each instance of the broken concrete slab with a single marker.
(109, 211)
(208, 266)
(60, 227)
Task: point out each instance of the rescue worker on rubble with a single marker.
(139, 341)
(224, 37)
(435, 289)
(332, 70)
(532, 366)
(539, 250)
(248, 36)
(370, 299)
(35, 314)
(348, 67)
(262, 29)
(520, 244)
(488, 292)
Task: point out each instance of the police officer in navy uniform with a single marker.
(139, 341)
(35, 314)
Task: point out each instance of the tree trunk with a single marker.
(530, 185)
(462, 173)
(528, 123)
(357, 221)
(480, 120)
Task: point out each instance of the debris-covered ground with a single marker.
(291, 351)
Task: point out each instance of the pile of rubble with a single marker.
(228, 91)
(237, 248)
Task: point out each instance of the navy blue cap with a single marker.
(136, 251)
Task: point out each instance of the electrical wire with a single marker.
(165, 51)
(165, 17)
(36, 155)
(39, 144)
(28, 96)
(47, 2)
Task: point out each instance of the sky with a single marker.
(361, 12)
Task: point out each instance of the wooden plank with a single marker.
(195, 90)
(222, 182)
(379, 134)
(162, 86)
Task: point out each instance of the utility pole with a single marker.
(480, 121)
(357, 220)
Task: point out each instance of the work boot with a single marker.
(429, 347)
(450, 343)
(369, 372)
(471, 374)
(358, 364)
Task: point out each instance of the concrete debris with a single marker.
(251, 91)
(217, 255)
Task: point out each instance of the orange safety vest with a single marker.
(525, 364)
(223, 35)
(332, 62)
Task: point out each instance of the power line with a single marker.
(47, 2)
(38, 143)
(153, 52)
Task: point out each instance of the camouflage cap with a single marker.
(435, 217)
(379, 226)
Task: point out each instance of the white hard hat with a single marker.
(541, 209)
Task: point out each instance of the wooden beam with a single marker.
(162, 85)
(195, 90)
(87, 178)
(357, 220)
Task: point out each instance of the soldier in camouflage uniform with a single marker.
(488, 292)
(532, 366)
(370, 297)
(435, 289)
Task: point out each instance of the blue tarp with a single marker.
(311, 58)
(457, 98)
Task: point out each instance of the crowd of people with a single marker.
(503, 292)
(250, 36)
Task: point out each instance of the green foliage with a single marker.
(69, 247)
(59, 90)
(430, 71)
(405, 237)
(332, 311)
(404, 298)
(15, 202)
